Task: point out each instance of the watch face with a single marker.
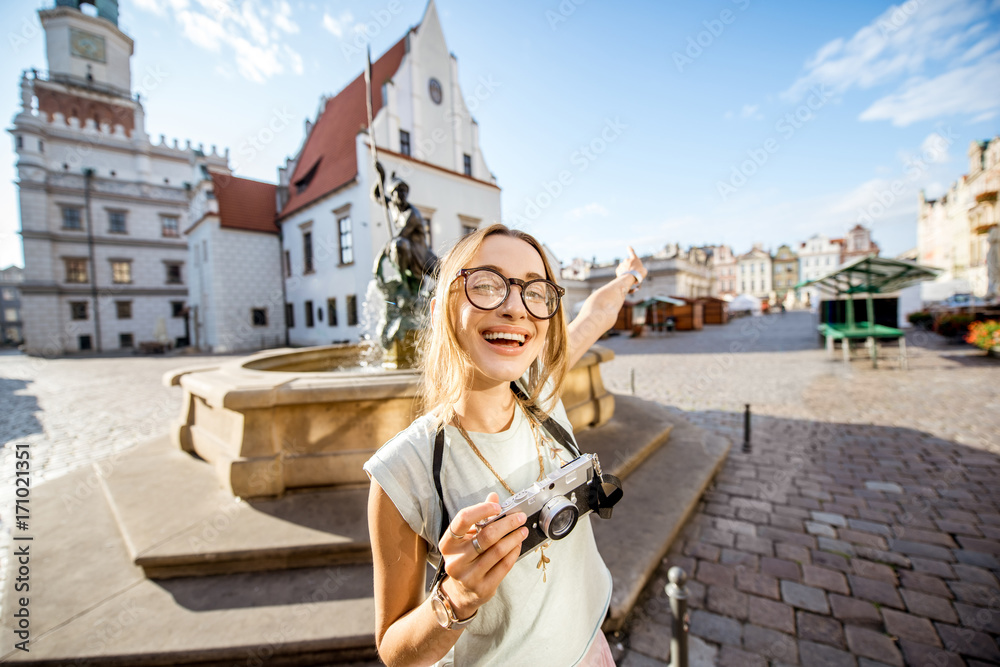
(86, 45)
(435, 90)
(440, 612)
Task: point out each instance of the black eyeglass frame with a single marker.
(560, 291)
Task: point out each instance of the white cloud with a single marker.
(965, 90)
(751, 111)
(912, 43)
(339, 25)
(251, 31)
(587, 210)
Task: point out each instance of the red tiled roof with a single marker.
(245, 204)
(330, 147)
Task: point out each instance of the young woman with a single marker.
(495, 319)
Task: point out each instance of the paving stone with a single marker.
(791, 523)
(758, 584)
(870, 527)
(930, 606)
(717, 537)
(855, 612)
(804, 597)
(735, 526)
(969, 642)
(926, 536)
(977, 594)
(715, 628)
(702, 551)
(927, 583)
(831, 561)
(792, 552)
(858, 538)
(908, 626)
(888, 487)
(979, 544)
(714, 574)
(727, 602)
(741, 561)
(866, 568)
(874, 645)
(824, 529)
(976, 575)
(650, 638)
(957, 528)
(976, 558)
(940, 568)
(733, 657)
(920, 549)
(636, 659)
(821, 577)
(770, 644)
(978, 618)
(771, 614)
(921, 654)
(875, 591)
(822, 629)
(830, 518)
(757, 545)
(839, 547)
(821, 655)
(752, 515)
(880, 556)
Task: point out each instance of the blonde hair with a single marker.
(447, 368)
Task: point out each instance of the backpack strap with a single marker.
(445, 519)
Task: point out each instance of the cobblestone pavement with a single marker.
(862, 529)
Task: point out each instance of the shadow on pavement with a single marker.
(17, 418)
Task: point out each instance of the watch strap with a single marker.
(453, 622)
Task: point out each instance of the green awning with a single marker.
(873, 275)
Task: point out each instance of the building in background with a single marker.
(952, 230)
(755, 274)
(818, 256)
(331, 228)
(858, 243)
(786, 276)
(724, 272)
(236, 297)
(102, 207)
(10, 305)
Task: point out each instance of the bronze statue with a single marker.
(401, 269)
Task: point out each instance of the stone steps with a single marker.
(116, 584)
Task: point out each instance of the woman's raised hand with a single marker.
(475, 573)
(631, 263)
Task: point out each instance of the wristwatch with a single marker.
(444, 612)
(638, 280)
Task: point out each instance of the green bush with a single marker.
(921, 318)
(953, 325)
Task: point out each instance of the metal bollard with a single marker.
(631, 379)
(746, 430)
(677, 592)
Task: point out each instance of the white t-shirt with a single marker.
(527, 622)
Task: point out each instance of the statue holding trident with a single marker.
(404, 268)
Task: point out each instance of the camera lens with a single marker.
(558, 517)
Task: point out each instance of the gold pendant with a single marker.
(543, 560)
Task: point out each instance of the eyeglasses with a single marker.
(486, 289)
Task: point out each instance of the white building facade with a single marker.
(755, 273)
(102, 207)
(818, 256)
(236, 299)
(331, 227)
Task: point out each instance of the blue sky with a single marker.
(730, 121)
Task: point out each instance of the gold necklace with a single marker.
(543, 560)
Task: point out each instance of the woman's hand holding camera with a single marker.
(474, 574)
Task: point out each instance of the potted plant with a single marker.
(953, 325)
(985, 335)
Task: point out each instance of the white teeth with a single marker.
(495, 335)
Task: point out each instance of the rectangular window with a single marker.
(78, 310)
(307, 252)
(170, 226)
(84, 343)
(310, 316)
(288, 264)
(10, 314)
(8, 294)
(467, 164)
(468, 229)
(174, 274)
(76, 270)
(125, 340)
(404, 142)
(116, 222)
(72, 218)
(346, 240)
(331, 312)
(289, 315)
(121, 271)
(352, 310)
(258, 317)
(124, 309)
(176, 309)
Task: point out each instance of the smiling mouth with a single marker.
(505, 339)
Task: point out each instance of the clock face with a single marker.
(87, 45)
(435, 89)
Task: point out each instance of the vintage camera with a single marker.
(554, 504)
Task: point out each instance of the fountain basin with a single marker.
(282, 419)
